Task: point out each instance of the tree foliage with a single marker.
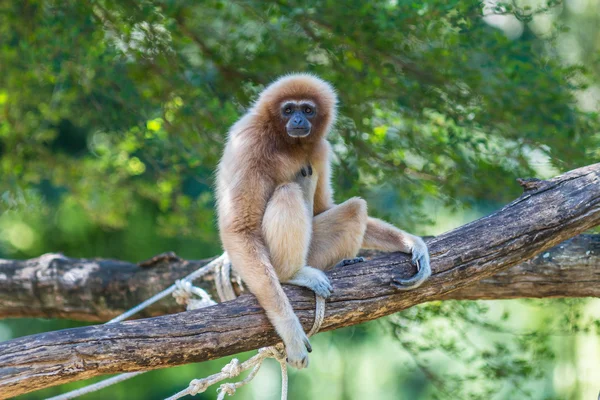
(112, 106)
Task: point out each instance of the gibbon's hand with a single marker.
(297, 345)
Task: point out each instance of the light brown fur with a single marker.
(280, 226)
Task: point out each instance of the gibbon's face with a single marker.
(297, 116)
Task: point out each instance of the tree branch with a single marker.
(541, 218)
(55, 286)
(571, 269)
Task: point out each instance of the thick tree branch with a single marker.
(570, 269)
(544, 216)
(54, 286)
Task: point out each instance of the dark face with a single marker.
(298, 116)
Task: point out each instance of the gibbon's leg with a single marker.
(338, 234)
(383, 236)
(287, 229)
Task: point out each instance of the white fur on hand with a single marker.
(296, 343)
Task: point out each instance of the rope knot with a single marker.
(183, 291)
(277, 352)
(197, 386)
(226, 388)
(232, 369)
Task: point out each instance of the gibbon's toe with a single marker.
(320, 284)
(322, 290)
(423, 273)
(349, 261)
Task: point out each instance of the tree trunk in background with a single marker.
(54, 286)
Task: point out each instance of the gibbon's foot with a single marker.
(296, 344)
(420, 258)
(349, 261)
(313, 279)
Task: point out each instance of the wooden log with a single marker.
(570, 269)
(541, 218)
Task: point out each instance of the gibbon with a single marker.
(277, 218)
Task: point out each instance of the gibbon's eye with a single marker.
(287, 110)
(308, 110)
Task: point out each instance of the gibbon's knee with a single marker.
(338, 233)
(352, 217)
(356, 210)
(286, 228)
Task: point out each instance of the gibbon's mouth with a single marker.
(298, 132)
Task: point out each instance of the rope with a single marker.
(96, 386)
(234, 368)
(223, 282)
(184, 295)
(183, 291)
(159, 296)
(319, 315)
(223, 259)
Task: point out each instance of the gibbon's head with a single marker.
(299, 105)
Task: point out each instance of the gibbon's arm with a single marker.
(242, 238)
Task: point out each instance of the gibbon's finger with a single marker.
(299, 364)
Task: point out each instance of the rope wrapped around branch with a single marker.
(234, 368)
(193, 297)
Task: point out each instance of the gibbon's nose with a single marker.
(297, 121)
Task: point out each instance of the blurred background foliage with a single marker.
(113, 115)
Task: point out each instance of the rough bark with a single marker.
(54, 286)
(544, 216)
(570, 269)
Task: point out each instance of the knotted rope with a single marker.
(234, 368)
(184, 291)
